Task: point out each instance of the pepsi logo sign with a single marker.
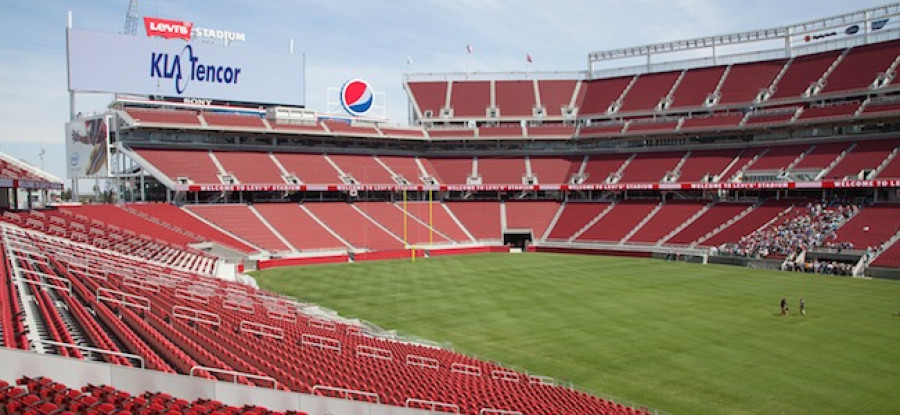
(356, 96)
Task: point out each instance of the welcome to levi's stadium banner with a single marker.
(824, 184)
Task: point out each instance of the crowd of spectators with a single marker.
(819, 267)
(802, 227)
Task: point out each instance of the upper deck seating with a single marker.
(515, 98)
(193, 165)
(429, 97)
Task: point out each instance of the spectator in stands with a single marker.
(799, 229)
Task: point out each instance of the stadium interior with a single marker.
(783, 162)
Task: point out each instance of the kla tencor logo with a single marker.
(186, 67)
(356, 96)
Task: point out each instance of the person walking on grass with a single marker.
(802, 308)
(784, 307)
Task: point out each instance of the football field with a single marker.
(682, 338)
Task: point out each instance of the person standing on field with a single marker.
(802, 307)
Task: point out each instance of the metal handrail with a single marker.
(498, 411)
(347, 392)
(235, 374)
(434, 404)
(92, 349)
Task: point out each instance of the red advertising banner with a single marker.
(168, 29)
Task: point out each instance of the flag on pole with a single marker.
(470, 49)
(528, 58)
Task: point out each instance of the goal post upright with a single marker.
(430, 218)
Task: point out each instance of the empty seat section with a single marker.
(452, 133)
(778, 158)
(250, 168)
(667, 219)
(515, 98)
(354, 227)
(531, 215)
(42, 395)
(878, 108)
(803, 72)
(556, 95)
(482, 219)
(346, 127)
(768, 118)
(233, 120)
(302, 231)
(501, 131)
(240, 220)
(554, 170)
(650, 167)
(747, 155)
(453, 171)
(309, 168)
(13, 171)
(890, 258)
(501, 170)
(861, 66)
(428, 97)
(403, 132)
(313, 128)
(596, 97)
(648, 91)
(891, 170)
(706, 164)
(841, 111)
(470, 98)
(196, 166)
(610, 128)
(365, 169)
(696, 86)
(405, 167)
(871, 227)
(175, 216)
(147, 116)
(652, 126)
(866, 155)
(114, 215)
(745, 81)
(437, 216)
(749, 223)
(292, 361)
(821, 156)
(391, 216)
(551, 130)
(599, 167)
(619, 221)
(716, 216)
(713, 122)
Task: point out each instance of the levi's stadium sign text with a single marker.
(176, 29)
(169, 29)
(166, 65)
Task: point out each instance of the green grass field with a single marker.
(682, 338)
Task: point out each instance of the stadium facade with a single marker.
(730, 158)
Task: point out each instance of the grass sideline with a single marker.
(682, 338)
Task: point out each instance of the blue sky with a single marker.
(345, 39)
